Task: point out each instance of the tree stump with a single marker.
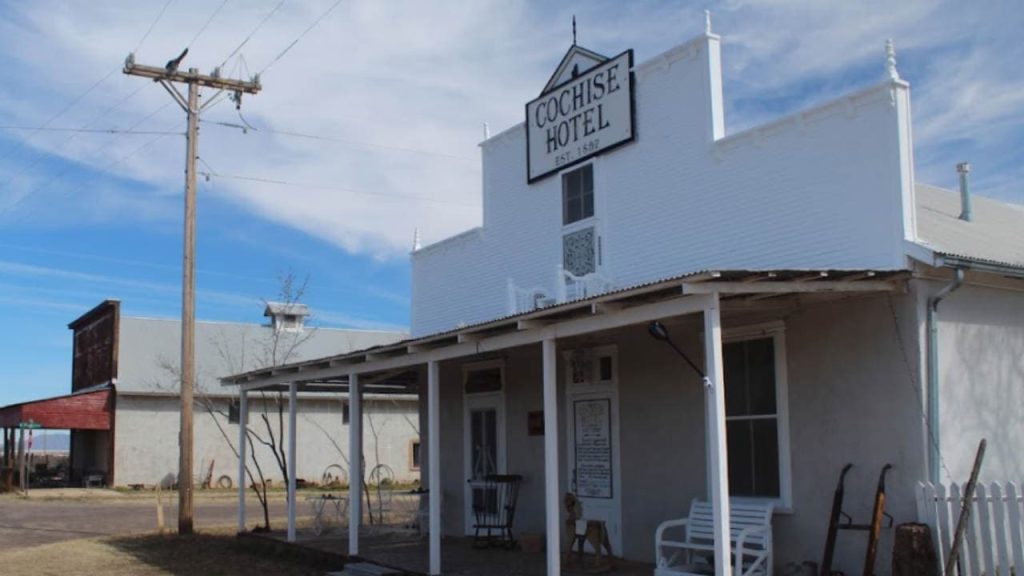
(913, 553)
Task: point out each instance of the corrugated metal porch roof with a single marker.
(730, 284)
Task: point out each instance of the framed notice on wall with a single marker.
(592, 420)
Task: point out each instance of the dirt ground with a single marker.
(206, 553)
(50, 516)
(114, 533)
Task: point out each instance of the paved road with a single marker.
(41, 521)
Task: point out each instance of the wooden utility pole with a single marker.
(167, 76)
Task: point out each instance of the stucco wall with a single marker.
(853, 397)
(981, 367)
(147, 439)
(824, 188)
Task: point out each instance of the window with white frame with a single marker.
(756, 415)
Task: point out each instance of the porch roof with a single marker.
(636, 304)
(90, 410)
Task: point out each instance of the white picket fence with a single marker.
(992, 544)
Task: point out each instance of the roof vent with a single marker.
(964, 168)
(288, 317)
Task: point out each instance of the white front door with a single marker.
(592, 403)
(484, 433)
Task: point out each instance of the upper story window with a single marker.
(578, 194)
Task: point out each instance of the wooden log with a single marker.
(913, 552)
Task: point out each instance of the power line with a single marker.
(254, 31)
(67, 107)
(247, 127)
(67, 169)
(39, 158)
(207, 24)
(153, 25)
(301, 36)
(91, 130)
(276, 182)
(95, 84)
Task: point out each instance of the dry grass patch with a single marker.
(215, 554)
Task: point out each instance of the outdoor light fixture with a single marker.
(658, 331)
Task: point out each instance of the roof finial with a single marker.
(416, 243)
(890, 61)
(573, 29)
(707, 22)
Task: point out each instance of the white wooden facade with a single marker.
(828, 187)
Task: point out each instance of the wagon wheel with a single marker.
(381, 476)
(333, 475)
(224, 481)
(380, 480)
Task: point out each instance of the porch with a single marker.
(566, 357)
(410, 554)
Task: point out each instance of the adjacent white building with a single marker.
(124, 408)
(842, 311)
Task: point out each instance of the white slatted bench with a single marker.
(750, 541)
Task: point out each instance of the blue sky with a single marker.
(367, 129)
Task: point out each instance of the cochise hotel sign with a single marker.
(580, 118)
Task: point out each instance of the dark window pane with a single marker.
(734, 360)
(490, 444)
(741, 458)
(578, 194)
(766, 458)
(487, 380)
(574, 209)
(761, 376)
(606, 368)
(344, 412)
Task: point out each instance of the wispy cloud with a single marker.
(399, 91)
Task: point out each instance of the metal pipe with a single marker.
(964, 168)
(934, 454)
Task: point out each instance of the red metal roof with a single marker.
(86, 411)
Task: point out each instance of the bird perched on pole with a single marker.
(172, 65)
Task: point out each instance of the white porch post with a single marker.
(243, 438)
(718, 454)
(293, 389)
(434, 463)
(355, 462)
(551, 507)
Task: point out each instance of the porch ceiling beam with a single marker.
(531, 324)
(575, 327)
(859, 276)
(605, 307)
(774, 287)
(468, 337)
(759, 277)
